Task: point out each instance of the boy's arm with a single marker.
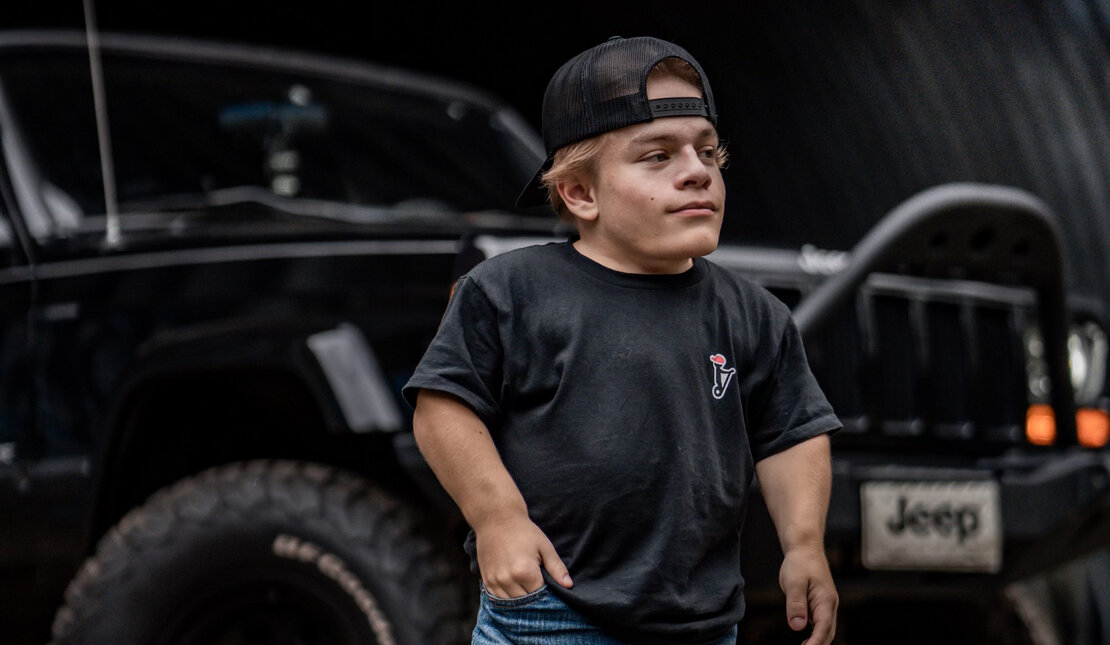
(458, 447)
(795, 485)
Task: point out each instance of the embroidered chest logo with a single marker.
(722, 375)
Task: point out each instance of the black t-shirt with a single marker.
(629, 410)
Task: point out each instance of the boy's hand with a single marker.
(810, 594)
(512, 550)
(511, 553)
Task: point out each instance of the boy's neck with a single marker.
(613, 261)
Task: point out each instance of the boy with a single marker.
(596, 407)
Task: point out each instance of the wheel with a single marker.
(1076, 597)
(1097, 621)
(267, 553)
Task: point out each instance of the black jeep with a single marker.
(219, 264)
(200, 371)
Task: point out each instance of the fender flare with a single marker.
(333, 360)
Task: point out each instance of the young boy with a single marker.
(597, 407)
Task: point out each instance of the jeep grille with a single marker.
(926, 360)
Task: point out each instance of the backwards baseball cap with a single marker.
(604, 89)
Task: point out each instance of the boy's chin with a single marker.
(697, 246)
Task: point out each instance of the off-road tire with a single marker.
(267, 552)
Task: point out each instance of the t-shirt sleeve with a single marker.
(465, 357)
(792, 407)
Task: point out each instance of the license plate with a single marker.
(939, 526)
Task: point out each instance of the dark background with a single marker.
(834, 111)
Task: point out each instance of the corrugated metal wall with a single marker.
(837, 111)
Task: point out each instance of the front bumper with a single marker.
(1055, 507)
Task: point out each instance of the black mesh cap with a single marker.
(605, 88)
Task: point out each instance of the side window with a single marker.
(11, 252)
(8, 244)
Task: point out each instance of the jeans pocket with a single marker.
(515, 602)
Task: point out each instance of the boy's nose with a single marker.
(692, 170)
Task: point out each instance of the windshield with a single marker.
(182, 130)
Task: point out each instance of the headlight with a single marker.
(1087, 348)
(1087, 353)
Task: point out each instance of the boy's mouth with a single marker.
(696, 209)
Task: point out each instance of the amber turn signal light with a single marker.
(1093, 427)
(1040, 425)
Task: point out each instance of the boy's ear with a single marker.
(579, 197)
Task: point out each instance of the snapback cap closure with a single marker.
(682, 106)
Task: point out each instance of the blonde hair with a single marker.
(580, 157)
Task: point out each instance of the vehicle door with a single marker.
(22, 524)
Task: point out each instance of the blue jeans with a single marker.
(540, 618)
